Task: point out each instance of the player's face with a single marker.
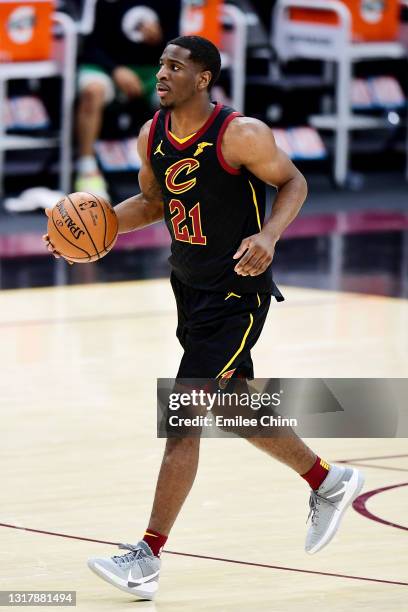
(179, 79)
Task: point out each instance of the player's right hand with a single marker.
(49, 244)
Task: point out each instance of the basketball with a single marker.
(83, 227)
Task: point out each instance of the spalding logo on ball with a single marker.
(83, 227)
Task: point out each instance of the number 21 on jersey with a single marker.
(180, 227)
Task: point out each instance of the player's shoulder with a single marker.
(143, 138)
(145, 129)
(246, 130)
(244, 127)
(246, 139)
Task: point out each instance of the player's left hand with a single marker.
(259, 249)
(49, 244)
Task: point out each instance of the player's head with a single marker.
(189, 66)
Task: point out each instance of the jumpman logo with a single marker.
(201, 146)
(158, 149)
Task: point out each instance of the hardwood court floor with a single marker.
(79, 456)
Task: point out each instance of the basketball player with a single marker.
(204, 170)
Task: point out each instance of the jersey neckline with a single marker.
(196, 135)
(182, 140)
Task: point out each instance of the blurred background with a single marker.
(330, 78)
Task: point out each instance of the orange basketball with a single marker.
(83, 227)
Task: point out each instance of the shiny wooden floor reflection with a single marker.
(79, 455)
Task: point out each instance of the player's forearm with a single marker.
(286, 207)
(137, 212)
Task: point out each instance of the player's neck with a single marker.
(190, 117)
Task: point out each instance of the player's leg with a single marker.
(95, 90)
(333, 487)
(288, 449)
(137, 571)
(177, 473)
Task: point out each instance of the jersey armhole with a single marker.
(151, 134)
(220, 156)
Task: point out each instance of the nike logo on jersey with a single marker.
(201, 146)
(158, 149)
(342, 490)
(140, 581)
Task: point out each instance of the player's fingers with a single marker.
(245, 244)
(251, 269)
(246, 260)
(262, 266)
(48, 212)
(253, 265)
(53, 251)
(244, 268)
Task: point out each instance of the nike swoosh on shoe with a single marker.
(340, 491)
(132, 584)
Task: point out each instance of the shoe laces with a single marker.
(136, 552)
(314, 502)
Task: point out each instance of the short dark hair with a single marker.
(203, 52)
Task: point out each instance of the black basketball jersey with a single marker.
(209, 206)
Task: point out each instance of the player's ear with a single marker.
(204, 80)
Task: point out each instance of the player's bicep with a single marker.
(151, 192)
(252, 144)
(268, 162)
(148, 183)
(276, 171)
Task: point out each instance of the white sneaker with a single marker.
(136, 572)
(328, 504)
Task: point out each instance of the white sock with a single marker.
(87, 164)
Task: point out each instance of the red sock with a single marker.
(317, 473)
(155, 540)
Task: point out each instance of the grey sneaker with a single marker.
(328, 504)
(136, 572)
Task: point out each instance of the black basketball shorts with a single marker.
(217, 331)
